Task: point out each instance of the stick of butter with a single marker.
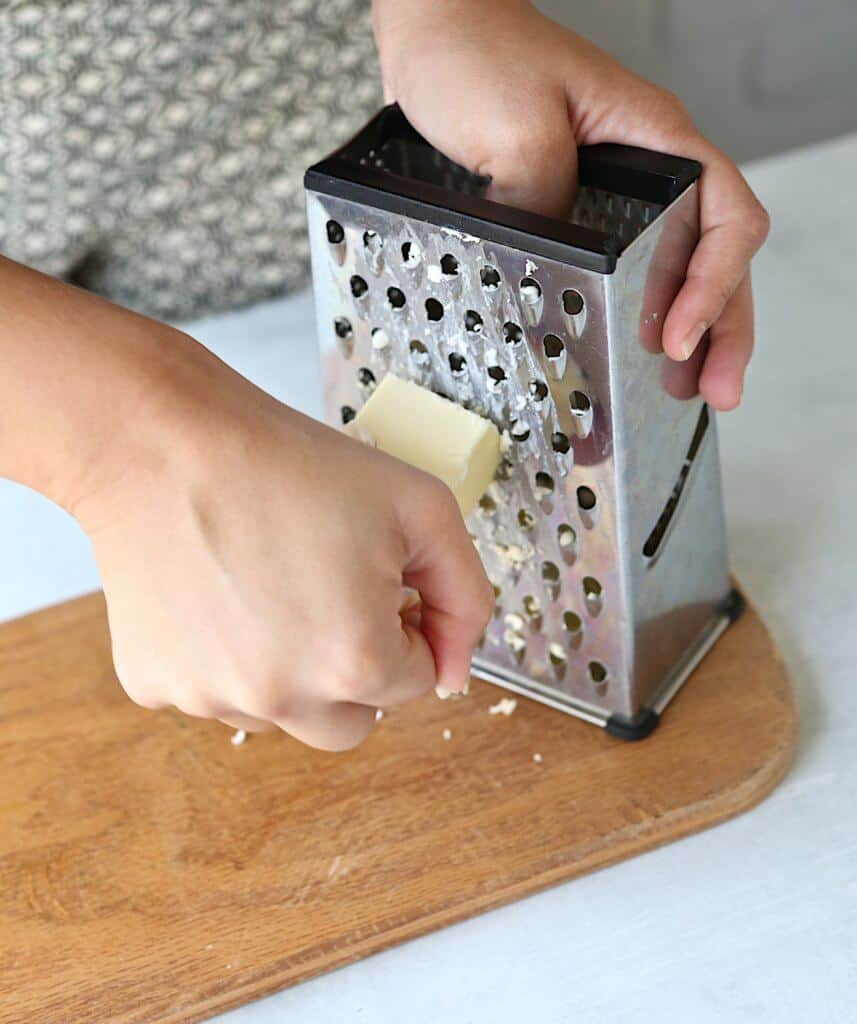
(433, 434)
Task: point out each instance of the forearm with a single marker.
(75, 375)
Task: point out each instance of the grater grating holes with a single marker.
(490, 279)
(556, 356)
(519, 431)
(342, 327)
(514, 622)
(526, 520)
(538, 391)
(574, 311)
(434, 310)
(573, 626)
(533, 611)
(512, 334)
(396, 298)
(586, 499)
(531, 291)
(557, 658)
(359, 288)
(544, 485)
(419, 354)
(592, 595)
(366, 381)
(449, 265)
(344, 336)
(560, 443)
(473, 322)
(487, 506)
(373, 245)
(347, 414)
(580, 405)
(412, 255)
(516, 644)
(496, 377)
(568, 543)
(572, 302)
(599, 676)
(587, 506)
(335, 232)
(551, 579)
(531, 296)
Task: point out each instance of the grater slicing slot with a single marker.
(655, 540)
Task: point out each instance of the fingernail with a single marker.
(688, 346)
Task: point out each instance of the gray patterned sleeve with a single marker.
(153, 152)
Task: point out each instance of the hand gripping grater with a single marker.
(603, 532)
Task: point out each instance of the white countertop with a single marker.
(755, 920)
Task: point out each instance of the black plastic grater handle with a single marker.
(390, 165)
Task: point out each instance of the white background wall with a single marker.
(757, 75)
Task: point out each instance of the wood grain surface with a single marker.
(152, 872)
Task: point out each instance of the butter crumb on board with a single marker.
(537, 758)
(504, 706)
(447, 734)
(238, 737)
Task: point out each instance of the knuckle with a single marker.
(722, 293)
(359, 675)
(262, 695)
(433, 503)
(442, 501)
(759, 224)
(672, 104)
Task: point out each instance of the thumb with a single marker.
(442, 564)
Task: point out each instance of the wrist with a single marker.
(116, 431)
(168, 389)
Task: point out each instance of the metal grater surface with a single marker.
(524, 340)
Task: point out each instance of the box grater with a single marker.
(603, 532)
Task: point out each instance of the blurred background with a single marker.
(758, 76)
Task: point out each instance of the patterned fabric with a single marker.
(154, 151)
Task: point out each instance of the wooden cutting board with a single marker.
(150, 871)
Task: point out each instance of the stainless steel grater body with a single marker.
(603, 533)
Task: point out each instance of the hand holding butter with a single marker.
(435, 435)
(254, 571)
